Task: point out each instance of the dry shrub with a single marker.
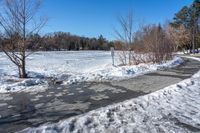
(136, 58)
(151, 41)
(154, 42)
(123, 57)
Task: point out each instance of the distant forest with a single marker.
(19, 34)
(59, 41)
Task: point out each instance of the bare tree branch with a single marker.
(17, 21)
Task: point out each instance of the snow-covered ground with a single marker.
(194, 58)
(70, 67)
(174, 109)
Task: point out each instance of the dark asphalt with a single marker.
(31, 109)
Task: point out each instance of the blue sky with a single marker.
(94, 17)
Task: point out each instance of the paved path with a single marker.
(21, 110)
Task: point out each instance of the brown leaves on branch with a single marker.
(180, 36)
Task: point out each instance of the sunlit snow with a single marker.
(70, 67)
(174, 109)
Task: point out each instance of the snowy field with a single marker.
(174, 109)
(69, 68)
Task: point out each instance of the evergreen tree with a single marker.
(189, 18)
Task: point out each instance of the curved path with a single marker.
(30, 109)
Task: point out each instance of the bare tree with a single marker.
(180, 36)
(18, 20)
(125, 35)
(154, 44)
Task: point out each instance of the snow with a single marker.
(70, 67)
(194, 58)
(174, 109)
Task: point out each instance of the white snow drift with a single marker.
(175, 109)
(70, 67)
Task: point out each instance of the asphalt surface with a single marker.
(58, 102)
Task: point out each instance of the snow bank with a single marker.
(175, 109)
(19, 85)
(118, 72)
(70, 67)
(191, 57)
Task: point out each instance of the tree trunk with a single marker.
(22, 73)
(22, 69)
(129, 56)
(193, 41)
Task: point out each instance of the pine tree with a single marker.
(189, 18)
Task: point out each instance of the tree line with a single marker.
(19, 35)
(58, 41)
(65, 41)
(157, 41)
